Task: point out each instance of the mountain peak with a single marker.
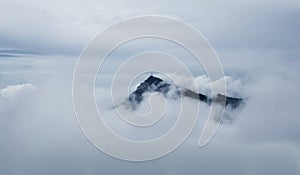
(152, 80)
(151, 84)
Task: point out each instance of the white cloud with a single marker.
(12, 91)
(39, 131)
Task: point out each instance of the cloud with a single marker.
(52, 28)
(257, 45)
(10, 92)
(40, 133)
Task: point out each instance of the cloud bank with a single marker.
(257, 43)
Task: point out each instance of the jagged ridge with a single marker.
(155, 84)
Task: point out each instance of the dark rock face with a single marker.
(154, 84)
(151, 84)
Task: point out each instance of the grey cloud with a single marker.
(257, 45)
(53, 28)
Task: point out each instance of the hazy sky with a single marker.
(258, 45)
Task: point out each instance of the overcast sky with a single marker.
(257, 43)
